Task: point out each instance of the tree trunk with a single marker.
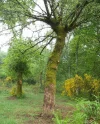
(40, 80)
(77, 53)
(19, 85)
(50, 84)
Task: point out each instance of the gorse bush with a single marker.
(13, 92)
(8, 81)
(78, 86)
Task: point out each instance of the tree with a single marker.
(63, 17)
(17, 63)
(2, 71)
(23, 65)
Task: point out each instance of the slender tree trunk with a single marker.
(40, 80)
(50, 84)
(77, 50)
(19, 85)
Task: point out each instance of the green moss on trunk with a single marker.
(50, 84)
(19, 85)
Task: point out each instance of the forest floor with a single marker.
(28, 110)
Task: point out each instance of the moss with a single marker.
(54, 58)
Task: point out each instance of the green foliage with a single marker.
(10, 10)
(81, 49)
(58, 120)
(92, 110)
(16, 61)
(38, 66)
(24, 58)
(30, 80)
(85, 112)
(2, 70)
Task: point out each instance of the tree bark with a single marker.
(50, 84)
(19, 85)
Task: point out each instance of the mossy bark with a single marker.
(50, 84)
(19, 85)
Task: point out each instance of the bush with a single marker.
(78, 86)
(13, 91)
(8, 81)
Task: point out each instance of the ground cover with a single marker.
(28, 110)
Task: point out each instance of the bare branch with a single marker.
(39, 7)
(38, 42)
(76, 13)
(16, 26)
(46, 45)
(47, 9)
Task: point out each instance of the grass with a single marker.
(27, 110)
(15, 111)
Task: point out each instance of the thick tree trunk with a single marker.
(50, 84)
(19, 85)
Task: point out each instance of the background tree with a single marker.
(2, 70)
(22, 64)
(17, 63)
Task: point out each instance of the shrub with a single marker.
(13, 91)
(78, 86)
(86, 112)
(73, 86)
(8, 81)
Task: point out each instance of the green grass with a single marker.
(19, 111)
(25, 110)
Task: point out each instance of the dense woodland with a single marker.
(59, 55)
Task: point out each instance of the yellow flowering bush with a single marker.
(13, 91)
(96, 86)
(81, 86)
(8, 81)
(73, 85)
(87, 81)
(78, 82)
(70, 86)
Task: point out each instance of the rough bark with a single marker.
(19, 85)
(50, 84)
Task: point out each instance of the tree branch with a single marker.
(47, 9)
(76, 13)
(46, 45)
(38, 42)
